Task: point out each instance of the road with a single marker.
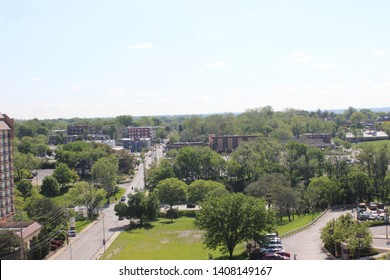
(41, 173)
(307, 244)
(381, 237)
(92, 241)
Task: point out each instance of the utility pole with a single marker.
(21, 242)
(70, 248)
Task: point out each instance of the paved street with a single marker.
(381, 237)
(41, 173)
(306, 245)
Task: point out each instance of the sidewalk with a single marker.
(54, 255)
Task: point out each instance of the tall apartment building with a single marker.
(7, 131)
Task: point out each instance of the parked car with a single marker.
(272, 248)
(286, 255)
(123, 198)
(275, 240)
(72, 233)
(274, 256)
(364, 216)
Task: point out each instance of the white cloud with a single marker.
(324, 66)
(217, 64)
(299, 57)
(141, 46)
(378, 53)
(115, 91)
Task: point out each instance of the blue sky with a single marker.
(79, 58)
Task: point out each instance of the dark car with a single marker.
(273, 256)
(123, 198)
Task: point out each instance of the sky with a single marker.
(92, 58)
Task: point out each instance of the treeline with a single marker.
(291, 176)
(282, 125)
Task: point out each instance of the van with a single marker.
(362, 207)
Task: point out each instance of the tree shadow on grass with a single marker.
(167, 222)
(282, 223)
(242, 256)
(133, 227)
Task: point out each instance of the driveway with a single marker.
(307, 244)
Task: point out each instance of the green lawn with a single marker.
(163, 240)
(286, 226)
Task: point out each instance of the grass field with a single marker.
(286, 226)
(163, 240)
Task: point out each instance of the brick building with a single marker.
(227, 143)
(79, 129)
(142, 132)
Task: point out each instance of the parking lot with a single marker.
(41, 173)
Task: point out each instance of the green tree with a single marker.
(121, 210)
(39, 246)
(323, 192)
(231, 219)
(24, 164)
(157, 172)
(126, 161)
(172, 191)
(104, 172)
(174, 137)
(284, 198)
(264, 186)
(50, 186)
(124, 120)
(140, 206)
(360, 185)
(199, 189)
(345, 230)
(43, 210)
(9, 241)
(87, 195)
(25, 187)
(64, 174)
